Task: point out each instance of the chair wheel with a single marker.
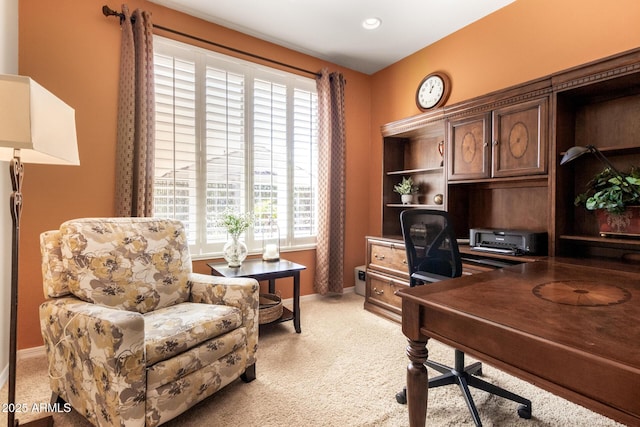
(401, 397)
(524, 411)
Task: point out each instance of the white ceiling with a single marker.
(332, 30)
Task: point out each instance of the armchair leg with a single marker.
(249, 374)
(55, 398)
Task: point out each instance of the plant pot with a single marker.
(406, 199)
(626, 223)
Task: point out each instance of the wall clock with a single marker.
(433, 91)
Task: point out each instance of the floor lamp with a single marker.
(35, 127)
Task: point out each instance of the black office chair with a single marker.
(432, 256)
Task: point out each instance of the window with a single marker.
(235, 135)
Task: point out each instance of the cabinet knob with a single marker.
(378, 291)
(485, 144)
(378, 257)
(495, 142)
(404, 261)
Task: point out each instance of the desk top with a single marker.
(577, 304)
(256, 268)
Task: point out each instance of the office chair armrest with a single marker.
(427, 277)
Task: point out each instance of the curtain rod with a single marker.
(107, 11)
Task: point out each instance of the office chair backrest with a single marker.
(430, 243)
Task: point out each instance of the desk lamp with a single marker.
(577, 151)
(35, 127)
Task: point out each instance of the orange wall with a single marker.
(523, 41)
(72, 49)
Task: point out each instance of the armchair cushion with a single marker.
(172, 330)
(136, 264)
(171, 370)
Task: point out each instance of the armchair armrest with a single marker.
(96, 359)
(242, 293)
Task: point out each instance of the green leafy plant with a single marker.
(405, 187)
(610, 191)
(235, 223)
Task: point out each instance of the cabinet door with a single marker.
(520, 139)
(469, 154)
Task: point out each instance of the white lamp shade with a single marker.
(36, 122)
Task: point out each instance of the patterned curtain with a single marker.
(135, 145)
(331, 183)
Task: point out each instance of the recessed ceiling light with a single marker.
(371, 23)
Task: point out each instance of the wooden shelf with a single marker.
(605, 242)
(535, 180)
(414, 171)
(616, 151)
(414, 205)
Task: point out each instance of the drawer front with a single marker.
(381, 290)
(388, 257)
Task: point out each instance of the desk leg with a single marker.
(272, 286)
(417, 383)
(296, 301)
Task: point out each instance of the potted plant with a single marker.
(615, 197)
(235, 251)
(406, 189)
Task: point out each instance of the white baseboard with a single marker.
(4, 375)
(28, 353)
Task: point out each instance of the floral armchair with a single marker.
(132, 335)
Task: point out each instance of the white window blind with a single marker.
(233, 134)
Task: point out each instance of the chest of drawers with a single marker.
(386, 272)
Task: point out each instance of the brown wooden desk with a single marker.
(263, 270)
(568, 326)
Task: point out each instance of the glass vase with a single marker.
(234, 251)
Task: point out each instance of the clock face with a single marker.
(468, 147)
(432, 91)
(518, 140)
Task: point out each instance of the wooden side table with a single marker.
(263, 270)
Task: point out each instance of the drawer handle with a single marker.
(379, 257)
(378, 291)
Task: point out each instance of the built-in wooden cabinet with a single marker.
(387, 271)
(502, 156)
(509, 141)
(419, 154)
(520, 138)
(470, 152)
(599, 105)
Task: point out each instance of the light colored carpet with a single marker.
(343, 370)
